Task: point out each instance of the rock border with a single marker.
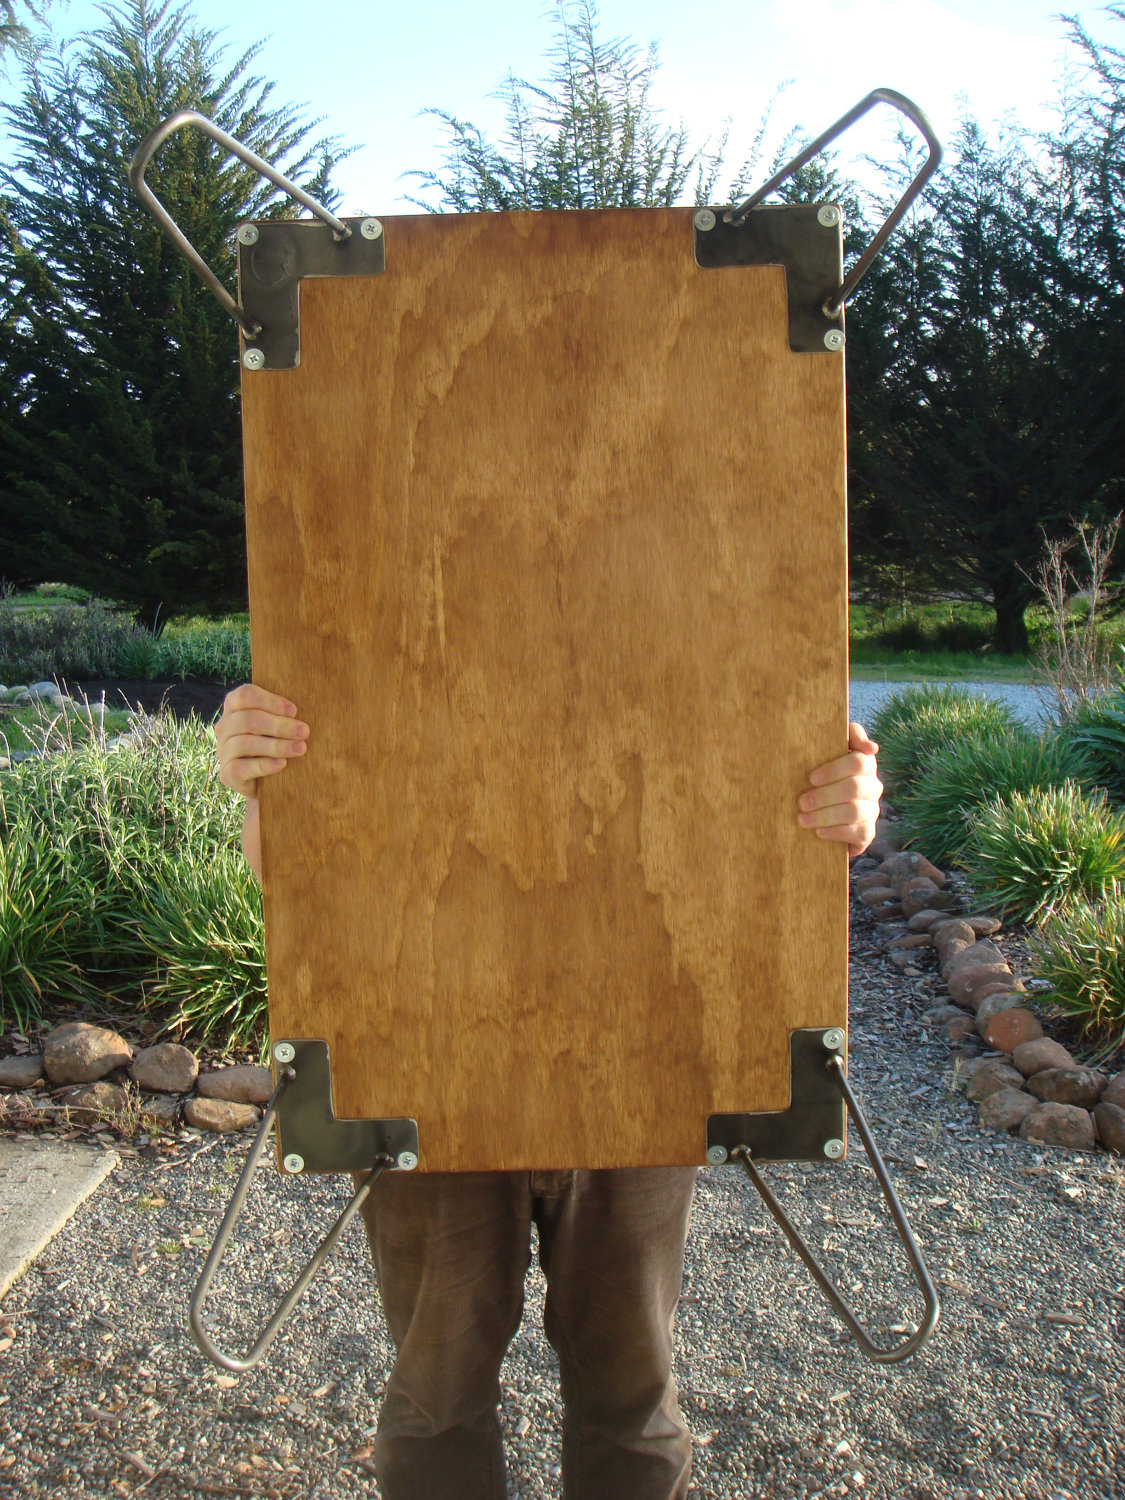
(1026, 1081)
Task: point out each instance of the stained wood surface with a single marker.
(547, 543)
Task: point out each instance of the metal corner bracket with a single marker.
(274, 257)
(800, 238)
(813, 1128)
(309, 1136)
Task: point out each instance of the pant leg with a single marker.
(451, 1252)
(612, 1249)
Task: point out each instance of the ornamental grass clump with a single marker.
(122, 876)
(1098, 726)
(1080, 952)
(915, 722)
(1032, 854)
(963, 775)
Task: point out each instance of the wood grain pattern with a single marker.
(547, 542)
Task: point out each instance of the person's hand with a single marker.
(844, 803)
(257, 735)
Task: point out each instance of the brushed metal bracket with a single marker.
(310, 1137)
(796, 237)
(813, 1128)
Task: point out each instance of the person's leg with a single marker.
(612, 1250)
(450, 1253)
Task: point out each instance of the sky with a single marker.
(370, 69)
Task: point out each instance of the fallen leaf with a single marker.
(1068, 1319)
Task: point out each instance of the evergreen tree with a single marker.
(120, 463)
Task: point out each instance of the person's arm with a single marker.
(842, 803)
(257, 735)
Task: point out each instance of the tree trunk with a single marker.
(1011, 628)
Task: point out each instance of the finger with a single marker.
(243, 775)
(250, 695)
(851, 789)
(857, 836)
(856, 764)
(258, 721)
(859, 739)
(842, 815)
(240, 746)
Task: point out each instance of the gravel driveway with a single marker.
(1018, 1395)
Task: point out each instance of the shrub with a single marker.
(915, 722)
(218, 649)
(70, 640)
(962, 775)
(151, 888)
(1098, 726)
(1032, 854)
(1081, 953)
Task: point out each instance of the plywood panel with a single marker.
(547, 543)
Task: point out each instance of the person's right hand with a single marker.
(257, 735)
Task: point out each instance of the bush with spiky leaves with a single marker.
(1081, 954)
(1030, 855)
(916, 721)
(962, 775)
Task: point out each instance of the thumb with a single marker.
(859, 739)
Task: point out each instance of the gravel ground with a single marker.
(1019, 1394)
(867, 697)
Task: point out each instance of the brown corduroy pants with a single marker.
(451, 1253)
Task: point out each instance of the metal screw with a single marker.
(829, 215)
(716, 1155)
(247, 234)
(371, 229)
(834, 340)
(834, 1149)
(704, 219)
(284, 1052)
(254, 359)
(407, 1161)
(293, 1162)
(833, 1038)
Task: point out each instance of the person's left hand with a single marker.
(844, 803)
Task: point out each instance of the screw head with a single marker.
(704, 219)
(284, 1052)
(716, 1155)
(833, 1038)
(293, 1162)
(834, 1149)
(247, 234)
(254, 359)
(834, 340)
(829, 215)
(406, 1161)
(371, 229)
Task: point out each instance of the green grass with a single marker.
(41, 727)
(917, 721)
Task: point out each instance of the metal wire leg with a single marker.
(932, 1305)
(230, 1218)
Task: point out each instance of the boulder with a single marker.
(166, 1068)
(1115, 1091)
(245, 1084)
(1081, 1086)
(984, 952)
(80, 1053)
(1010, 1028)
(992, 1005)
(908, 866)
(959, 1028)
(43, 692)
(160, 1110)
(925, 921)
(991, 1078)
(984, 926)
(1110, 1122)
(97, 1103)
(1060, 1125)
(219, 1115)
(1006, 1109)
(911, 940)
(21, 1072)
(886, 841)
(966, 983)
(877, 895)
(943, 1013)
(1039, 1053)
